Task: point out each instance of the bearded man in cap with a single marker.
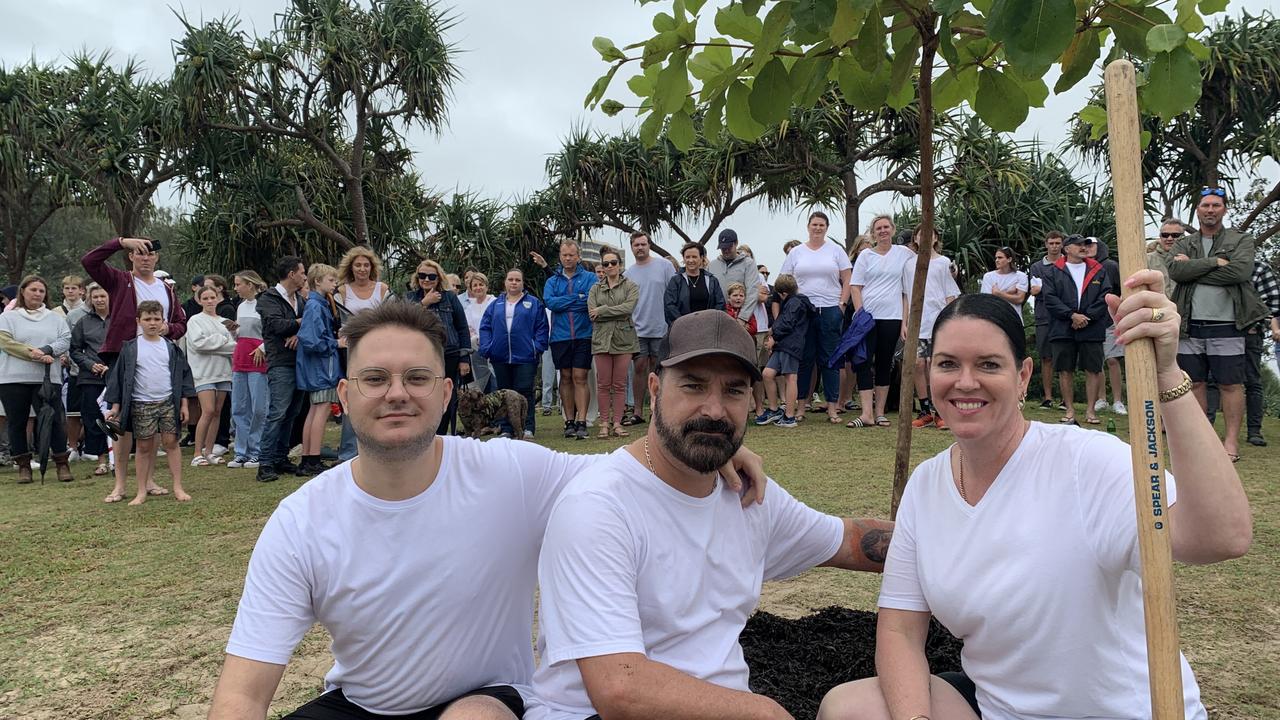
(650, 567)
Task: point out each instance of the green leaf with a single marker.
(662, 22)
(1035, 33)
(1164, 38)
(1173, 84)
(711, 61)
(947, 8)
(814, 16)
(680, 131)
(672, 86)
(738, 113)
(608, 51)
(954, 86)
(1144, 138)
(1000, 101)
(775, 25)
(659, 47)
(1209, 7)
(850, 16)
(649, 129)
(864, 90)
(1035, 88)
(905, 59)
(1079, 60)
(600, 87)
(1198, 49)
(734, 21)
(809, 77)
(869, 50)
(611, 107)
(946, 43)
(1131, 25)
(901, 96)
(1095, 116)
(770, 98)
(713, 121)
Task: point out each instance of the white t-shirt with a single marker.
(426, 598)
(155, 291)
(761, 313)
(151, 381)
(881, 279)
(1040, 579)
(1077, 271)
(1006, 282)
(632, 565)
(939, 285)
(817, 272)
(474, 310)
(510, 306)
(651, 276)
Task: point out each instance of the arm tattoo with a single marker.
(875, 544)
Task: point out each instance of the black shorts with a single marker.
(333, 705)
(73, 397)
(1043, 349)
(1213, 350)
(574, 354)
(1069, 356)
(965, 687)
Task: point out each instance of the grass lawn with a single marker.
(108, 611)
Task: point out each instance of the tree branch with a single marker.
(1271, 198)
(309, 217)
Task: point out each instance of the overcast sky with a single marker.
(526, 67)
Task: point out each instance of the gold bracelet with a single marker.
(919, 717)
(1178, 390)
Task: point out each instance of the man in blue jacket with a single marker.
(1074, 292)
(566, 296)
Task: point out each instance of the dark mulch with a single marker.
(796, 662)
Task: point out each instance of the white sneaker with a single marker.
(250, 464)
(1100, 405)
(88, 457)
(35, 464)
(1119, 408)
(528, 434)
(161, 453)
(73, 456)
(218, 450)
(236, 463)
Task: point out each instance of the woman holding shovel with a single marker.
(1021, 538)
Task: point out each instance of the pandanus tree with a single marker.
(993, 54)
(327, 97)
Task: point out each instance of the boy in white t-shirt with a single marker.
(650, 568)
(148, 390)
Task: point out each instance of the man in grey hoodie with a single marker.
(732, 266)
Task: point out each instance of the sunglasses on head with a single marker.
(609, 263)
(1206, 191)
(428, 276)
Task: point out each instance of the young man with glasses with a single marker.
(1214, 270)
(418, 556)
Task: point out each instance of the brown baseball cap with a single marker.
(709, 332)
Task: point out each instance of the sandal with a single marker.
(1234, 458)
(199, 461)
(857, 423)
(834, 419)
(113, 498)
(1092, 420)
(157, 491)
(619, 432)
(102, 469)
(883, 421)
(604, 430)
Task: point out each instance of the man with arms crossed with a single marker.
(652, 275)
(418, 556)
(650, 568)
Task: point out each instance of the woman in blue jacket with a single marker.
(317, 370)
(513, 335)
(430, 292)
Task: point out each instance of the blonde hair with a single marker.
(746, 250)
(877, 219)
(318, 272)
(475, 275)
(73, 280)
(439, 270)
(345, 273)
(455, 282)
(786, 284)
(860, 243)
(735, 286)
(253, 278)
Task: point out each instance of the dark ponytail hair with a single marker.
(983, 306)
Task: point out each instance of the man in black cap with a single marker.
(732, 266)
(650, 566)
(1074, 292)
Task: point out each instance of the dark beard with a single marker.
(703, 453)
(410, 449)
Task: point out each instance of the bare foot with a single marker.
(180, 496)
(138, 500)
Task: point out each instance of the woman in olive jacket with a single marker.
(613, 339)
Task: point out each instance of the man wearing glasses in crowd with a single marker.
(1213, 268)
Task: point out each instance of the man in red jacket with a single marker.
(127, 289)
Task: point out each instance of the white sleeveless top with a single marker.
(355, 304)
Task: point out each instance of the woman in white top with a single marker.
(250, 395)
(358, 273)
(940, 289)
(209, 349)
(1021, 537)
(877, 287)
(474, 303)
(1007, 282)
(821, 269)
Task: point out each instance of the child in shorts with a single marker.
(317, 370)
(148, 389)
(786, 341)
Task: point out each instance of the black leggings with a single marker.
(882, 343)
(18, 400)
(449, 420)
(333, 705)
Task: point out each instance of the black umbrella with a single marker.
(47, 416)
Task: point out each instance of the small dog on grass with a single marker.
(478, 411)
